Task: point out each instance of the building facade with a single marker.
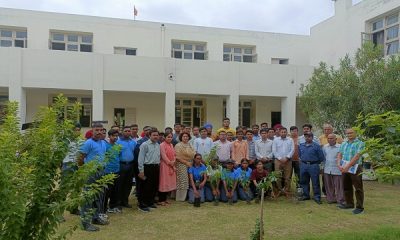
(148, 73)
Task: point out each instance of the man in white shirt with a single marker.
(223, 148)
(283, 149)
(264, 150)
(203, 144)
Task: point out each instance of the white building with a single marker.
(158, 74)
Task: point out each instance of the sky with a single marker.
(282, 16)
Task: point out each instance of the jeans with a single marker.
(224, 198)
(91, 209)
(209, 196)
(244, 195)
(191, 195)
(307, 172)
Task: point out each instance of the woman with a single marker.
(167, 170)
(184, 155)
(197, 178)
(243, 174)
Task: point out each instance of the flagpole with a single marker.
(134, 13)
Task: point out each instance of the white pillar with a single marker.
(170, 81)
(232, 109)
(97, 88)
(15, 90)
(288, 111)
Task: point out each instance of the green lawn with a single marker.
(284, 219)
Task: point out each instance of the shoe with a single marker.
(331, 202)
(126, 205)
(113, 210)
(318, 201)
(103, 216)
(358, 211)
(144, 209)
(304, 198)
(100, 221)
(323, 195)
(153, 206)
(344, 206)
(117, 210)
(90, 227)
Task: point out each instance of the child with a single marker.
(256, 176)
(197, 179)
(214, 171)
(243, 174)
(229, 183)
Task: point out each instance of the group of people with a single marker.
(197, 165)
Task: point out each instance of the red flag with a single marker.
(135, 12)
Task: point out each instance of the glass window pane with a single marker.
(227, 49)
(199, 47)
(378, 38)
(227, 57)
(392, 19)
(5, 43)
(199, 56)
(392, 48)
(19, 43)
(237, 50)
(247, 58)
(58, 37)
(237, 58)
(57, 46)
(86, 48)
(131, 52)
(87, 38)
(176, 45)
(72, 38)
(392, 32)
(377, 25)
(187, 55)
(72, 47)
(21, 35)
(186, 102)
(177, 102)
(198, 103)
(187, 46)
(6, 33)
(248, 51)
(72, 99)
(177, 54)
(86, 100)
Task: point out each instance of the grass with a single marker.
(284, 219)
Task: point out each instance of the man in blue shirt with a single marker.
(311, 156)
(93, 149)
(126, 165)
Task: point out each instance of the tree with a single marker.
(32, 191)
(381, 134)
(369, 85)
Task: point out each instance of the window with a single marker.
(246, 112)
(3, 104)
(385, 32)
(10, 37)
(125, 51)
(190, 112)
(189, 50)
(284, 61)
(239, 54)
(71, 41)
(85, 114)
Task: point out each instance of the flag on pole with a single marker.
(135, 11)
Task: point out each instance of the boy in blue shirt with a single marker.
(243, 174)
(229, 183)
(197, 178)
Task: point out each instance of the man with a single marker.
(328, 129)
(277, 127)
(264, 125)
(225, 126)
(283, 149)
(294, 134)
(332, 174)
(209, 127)
(126, 165)
(146, 137)
(307, 129)
(350, 151)
(271, 134)
(311, 157)
(135, 132)
(263, 150)
(203, 144)
(93, 149)
(149, 170)
(187, 129)
(229, 136)
(223, 148)
(175, 136)
(255, 129)
(196, 134)
(251, 143)
(239, 149)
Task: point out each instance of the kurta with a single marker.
(239, 151)
(167, 172)
(184, 152)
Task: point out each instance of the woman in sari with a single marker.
(184, 155)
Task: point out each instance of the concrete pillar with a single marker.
(97, 88)
(288, 110)
(170, 81)
(15, 90)
(232, 109)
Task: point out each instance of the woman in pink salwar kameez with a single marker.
(167, 170)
